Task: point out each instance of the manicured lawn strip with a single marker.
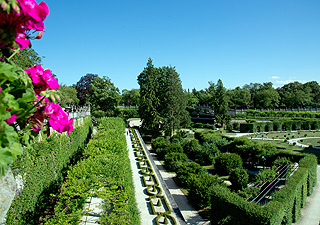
(103, 172)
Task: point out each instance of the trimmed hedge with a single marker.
(284, 208)
(276, 114)
(43, 168)
(103, 172)
(280, 125)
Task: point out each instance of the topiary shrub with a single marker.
(186, 170)
(236, 126)
(173, 159)
(239, 179)
(200, 185)
(226, 162)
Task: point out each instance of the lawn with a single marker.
(311, 141)
(285, 134)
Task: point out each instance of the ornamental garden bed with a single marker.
(272, 188)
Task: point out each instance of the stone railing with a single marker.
(78, 112)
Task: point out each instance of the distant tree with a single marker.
(162, 100)
(263, 95)
(68, 95)
(219, 103)
(130, 97)
(314, 88)
(202, 96)
(295, 95)
(104, 96)
(267, 98)
(83, 87)
(239, 98)
(192, 99)
(149, 99)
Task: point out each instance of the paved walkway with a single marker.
(178, 200)
(189, 214)
(143, 202)
(310, 214)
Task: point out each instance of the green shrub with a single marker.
(186, 170)
(198, 192)
(198, 125)
(267, 174)
(173, 159)
(239, 179)
(236, 126)
(226, 162)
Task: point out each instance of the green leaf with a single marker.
(7, 72)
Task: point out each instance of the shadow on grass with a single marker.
(316, 152)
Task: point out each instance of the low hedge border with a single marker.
(147, 171)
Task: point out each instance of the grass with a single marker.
(310, 141)
(285, 134)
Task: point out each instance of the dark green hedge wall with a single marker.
(43, 169)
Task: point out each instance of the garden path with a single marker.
(184, 212)
(147, 217)
(310, 214)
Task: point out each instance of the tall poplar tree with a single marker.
(174, 102)
(219, 103)
(149, 99)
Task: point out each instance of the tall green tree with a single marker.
(192, 99)
(130, 97)
(219, 103)
(266, 97)
(68, 95)
(239, 98)
(295, 95)
(149, 82)
(314, 88)
(173, 102)
(83, 87)
(104, 96)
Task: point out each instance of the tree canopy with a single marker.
(162, 100)
(103, 96)
(83, 87)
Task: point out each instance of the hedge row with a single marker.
(284, 208)
(103, 172)
(280, 125)
(43, 168)
(276, 114)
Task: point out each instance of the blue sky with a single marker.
(236, 41)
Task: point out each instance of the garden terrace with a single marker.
(267, 188)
